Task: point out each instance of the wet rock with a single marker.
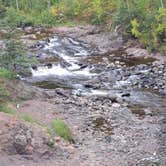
(23, 71)
(29, 37)
(49, 65)
(64, 64)
(34, 67)
(137, 52)
(126, 95)
(28, 29)
(88, 86)
(163, 92)
(2, 44)
(116, 105)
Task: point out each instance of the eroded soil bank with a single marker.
(113, 98)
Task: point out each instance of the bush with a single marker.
(6, 109)
(46, 18)
(28, 118)
(2, 11)
(4, 105)
(3, 93)
(4, 73)
(160, 29)
(13, 18)
(59, 127)
(144, 20)
(14, 55)
(38, 12)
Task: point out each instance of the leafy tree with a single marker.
(143, 19)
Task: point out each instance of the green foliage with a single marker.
(71, 8)
(59, 127)
(53, 12)
(13, 18)
(28, 118)
(3, 93)
(14, 55)
(4, 73)
(46, 18)
(143, 19)
(2, 11)
(97, 12)
(160, 31)
(4, 105)
(4, 97)
(6, 109)
(135, 27)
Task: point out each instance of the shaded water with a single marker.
(137, 109)
(101, 124)
(119, 59)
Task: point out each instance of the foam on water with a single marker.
(57, 70)
(70, 54)
(69, 51)
(61, 46)
(91, 92)
(99, 92)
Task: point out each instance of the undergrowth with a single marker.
(60, 128)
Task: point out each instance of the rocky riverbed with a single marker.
(113, 97)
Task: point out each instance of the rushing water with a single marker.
(75, 63)
(69, 67)
(76, 67)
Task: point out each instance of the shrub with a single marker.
(160, 29)
(5, 105)
(3, 92)
(4, 73)
(6, 109)
(13, 17)
(28, 118)
(2, 11)
(14, 55)
(59, 127)
(144, 20)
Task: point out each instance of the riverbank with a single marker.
(111, 95)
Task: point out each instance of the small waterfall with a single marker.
(70, 66)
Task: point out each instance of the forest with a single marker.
(141, 19)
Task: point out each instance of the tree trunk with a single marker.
(17, 7)
(48, 5)
(162, 4)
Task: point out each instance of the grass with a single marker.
(4, 73)
(3, 92)
(6, 109)
(4, 100)
(28, 118)
(60, 128)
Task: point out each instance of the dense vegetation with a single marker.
(142, 19)
(13, 55)
(13, 59)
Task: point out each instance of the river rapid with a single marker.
(118, 100)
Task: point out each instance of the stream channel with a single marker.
(124, 100)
